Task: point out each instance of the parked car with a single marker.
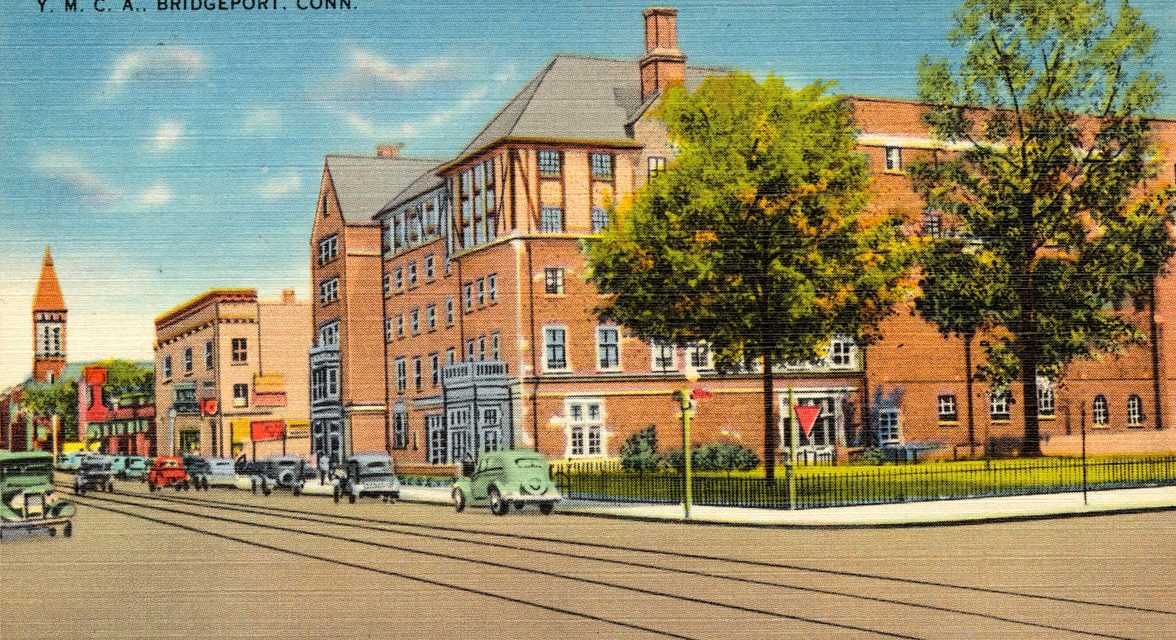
(197, 468)
(220, 473)
(286, 472)
(69, 461)
(93, 473)
(367, 474)
(168, 471)
(499, 478)
(136, 468)
(118, 464)
(27, 498)
(255, 471)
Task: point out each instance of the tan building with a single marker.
(231, 375)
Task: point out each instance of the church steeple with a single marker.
(49, 314)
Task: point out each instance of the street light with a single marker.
(685, 410)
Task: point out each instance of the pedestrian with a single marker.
(323, 463)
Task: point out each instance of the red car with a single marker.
(167, 472)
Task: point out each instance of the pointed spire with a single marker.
(48, 296)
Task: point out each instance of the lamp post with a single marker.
(171, 430)
(686, 408)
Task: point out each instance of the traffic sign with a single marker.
(807, 414)
(700, 394)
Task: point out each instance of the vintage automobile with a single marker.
(69, 461)
(118, 465)
(499, 478)
(27, 498)
(255, 471)
(367, 474)
(197, 468)
(166, 472)
(286, 472)
(219, 472)
(136, 468)
(94, 472)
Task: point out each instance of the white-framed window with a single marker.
(399, 426)
(889, 426)
(470, 350)
(655, 165)
(240, 349)
(947, 408)
(494, 346)
(431, 316)
(414, 320)
(468, 292)
(448, 310)
(417, 373)
(608, 348)
(208, 354)
(481, 287)
(328, 334)
(435, 368)
(387, 283)
(998, 404)
(450, 355)
(400, 325)
(240, 395)
(481, 347)
(398, 279)
(167, 367)
(550, 219)
(387, 329)
(893, 158)
(492, 287)
(1098, 410)
(187, 359)
(329, 290)
(553, 280)
(429, 271)
(699, 357)
(412, 274)
(1045, 397)
(332, 382)
(324, 384)
(401, 374)
(1134, 411)
(550, 163)
(602, 165)
(600, 219)
(662, 356)
(328, 248)
(555, 348)
(842, 352)
(585, 432)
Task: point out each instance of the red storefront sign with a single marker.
(266, 429)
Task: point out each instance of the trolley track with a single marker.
(368, 524)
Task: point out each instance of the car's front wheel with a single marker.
(459, 501)
(498, 506)
(546, 508)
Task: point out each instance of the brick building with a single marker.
(489, 334)
(231, 375)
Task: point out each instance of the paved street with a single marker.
(285, 567)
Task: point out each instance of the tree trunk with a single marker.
(1155, 353)
(769, 423)
(1031, 443)
(968, 385)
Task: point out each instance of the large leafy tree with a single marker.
(755, 238)
(1054, 153)
(125, 380)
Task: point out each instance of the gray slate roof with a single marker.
(428, 181)
(576, 97)
(364, 184)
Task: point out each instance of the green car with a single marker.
(27, 498)
(499, 478)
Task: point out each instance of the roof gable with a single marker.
(364, 184)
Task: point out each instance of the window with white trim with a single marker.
(240, 395)
(417, 373)
(401, 374)
(208, 354)
(481, 347)
(435, 368)
(655, 165)
(1134, 411)
(414, 320)
(555, 348)
(608, 348)
(387, 283)
(585, 428)
(699, 357)
(553, 280)
(492, 287)
(470, 350)
(398, 279)
(1045, 397)
(481, 286)
(842, 352)
(662, 355)
(429, 272)
(468, 291)
(387, 329)
(494, 346)
(400, 325)
(328, 334)
(1098, 410)
(998, 404)
(167, 367)
(431, 316)
(328, 248)
(450, 356)
(889, 426)
(329, 290)
(399, 427)
(187, 359)
(448, 310)
(893, 158)
(947, 408)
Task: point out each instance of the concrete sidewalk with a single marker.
(940, 512)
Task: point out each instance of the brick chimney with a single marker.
(287, 296)
(387, 150)
(663, 63)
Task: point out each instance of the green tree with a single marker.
(1053, 155)
(754, 239)
(127, 381)
(639, 452)
(59, 398)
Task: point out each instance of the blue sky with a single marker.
(161, 154)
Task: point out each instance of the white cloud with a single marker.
(168, 135)
(261, 121)
(366, 67)
(88, 188)
(278, 187)
(156, 195)
(159, 61)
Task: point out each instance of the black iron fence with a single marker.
(859, 485)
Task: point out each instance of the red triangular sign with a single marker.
(807, 415)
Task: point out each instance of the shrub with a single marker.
(639, 452)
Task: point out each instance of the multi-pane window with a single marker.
(494, 346)
(608, 347)
(468, 291)
(600, 219)
(481, 284)
(550, 219)
(417, 380)
(449, 310)
(893, 159)
(656, 165)
(431, 316)
(888, 426)
(585, 430)
(208, 354)
(450, 355)
(401, 374)
(1045, 397)
(435, 368)
(481, 347)
(400, 325)
(187, 359)
(1134, 411)
(931, 223)
(328, 248)
(699, 356)
(998, 404)
(555, 347)
(399, 427)
(412, 274)
(414, 320)
(429, 272)
(492, 287)
(387, 283)
(167, 367)
(240, 395)
(329, 334)
(329, 290)
(553, 280)
(470, 350)
(602, 165)
(398, 279)
(662, 354)
(947, 407)
(549, 163)
(387, 329)
(240, 349)
(1098, 410)
(842, 352)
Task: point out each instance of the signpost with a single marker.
(686, 408)
(803, 417)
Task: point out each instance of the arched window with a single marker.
(1098, 410)
(1134, 411)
